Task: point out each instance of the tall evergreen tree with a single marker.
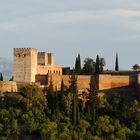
(97, 68)
(62, 86)
(1, 77)
(62, 102)
(93, 98)
(78, 64)
(117, 63)
(73, 89)
(51, 97)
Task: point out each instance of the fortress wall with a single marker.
(33, 68)
(82, 81)
(138, 83)
(108, 81)
(138, 79)
(49, 69)
(8, 86)
(104, 81)
(56, 80)
(120, 81)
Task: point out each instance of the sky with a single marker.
(69, 27)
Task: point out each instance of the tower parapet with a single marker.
(23, 51)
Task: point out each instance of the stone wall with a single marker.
(24, 66)
(120, 81)
(138, 83)
(56, 80)
(82, 81)
(8, 86)
(49, 70)
(106, 81)
(28, 63)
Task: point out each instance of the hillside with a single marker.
(6, 68)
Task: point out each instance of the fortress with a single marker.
(31, 66)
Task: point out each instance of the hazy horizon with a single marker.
(70, 27)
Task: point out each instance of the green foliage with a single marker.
(89, 66)
(73, 89)
(28, 114)
(93, 99)
(136, 67)
(102, 63)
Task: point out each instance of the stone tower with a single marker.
(25, 64)
(42, 58)
(50, 59)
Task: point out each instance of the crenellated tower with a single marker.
(25, 64)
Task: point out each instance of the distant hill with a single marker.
(6, 68)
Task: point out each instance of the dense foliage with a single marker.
(90, 67)
(37, 114)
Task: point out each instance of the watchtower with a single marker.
(25, 64)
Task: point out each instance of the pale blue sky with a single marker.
(69, 27)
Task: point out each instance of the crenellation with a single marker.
(33, 66)
(22, 52)
(28, 63)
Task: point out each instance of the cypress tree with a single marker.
(93, 99)
(76, 65)
(51, 97)
(74, 91)
(79, 64)
(117, 63)
(1, 77)
(62, 104)
(62, 86)
(97, 66)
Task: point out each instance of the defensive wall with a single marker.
(103, 81)
(8, 86)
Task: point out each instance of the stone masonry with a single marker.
(28, 63)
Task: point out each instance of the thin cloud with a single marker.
(73, 17)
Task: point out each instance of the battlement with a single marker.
(8, 86)
(28, 63)
(23, 51)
